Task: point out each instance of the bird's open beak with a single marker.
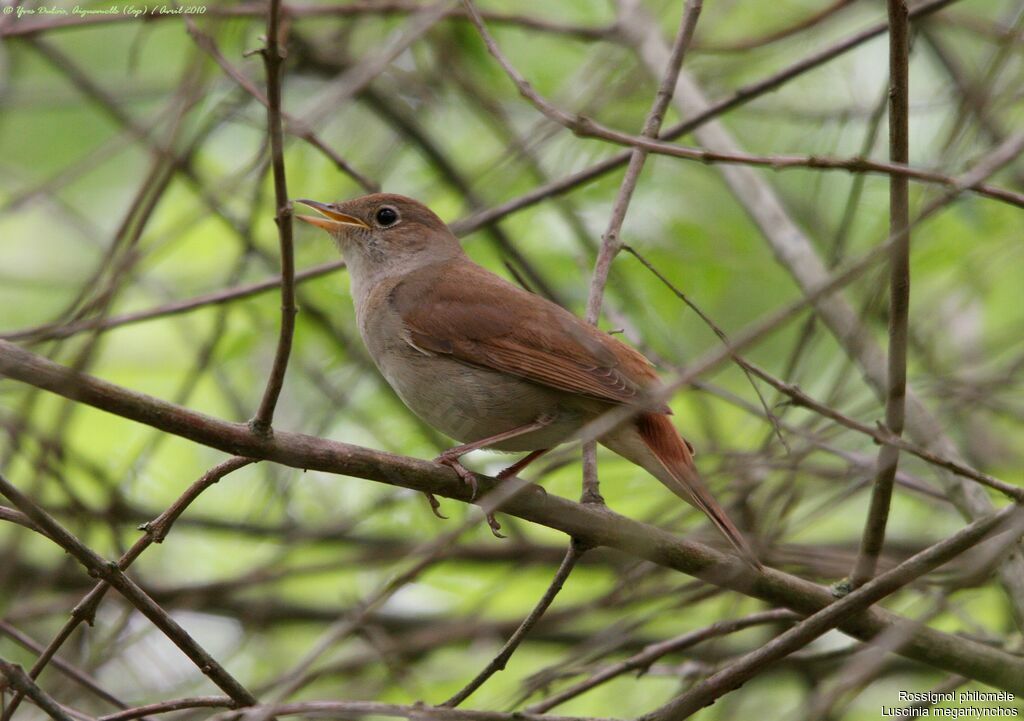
(331, 220)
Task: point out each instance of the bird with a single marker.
(490, 364)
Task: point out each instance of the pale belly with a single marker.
(470, 404)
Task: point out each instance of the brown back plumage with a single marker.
(456, 311)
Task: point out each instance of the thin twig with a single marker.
(610, 242)
(644, 659)
(112, 574)
(273, 59)
(52, 331)
(717, 330)
(1007, 520)
(713, 110)
(899, 294)
(813, 19)
(572, 555)
(176, 704)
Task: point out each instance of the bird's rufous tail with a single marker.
(673, 466)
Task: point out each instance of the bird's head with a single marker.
(384, 234)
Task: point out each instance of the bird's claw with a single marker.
(469, 478)
(435, 506)
(495, 527)
(464, 473)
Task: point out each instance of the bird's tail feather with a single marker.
(680, 475)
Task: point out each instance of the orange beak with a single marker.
(332, 220)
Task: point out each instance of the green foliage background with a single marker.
(307, 548)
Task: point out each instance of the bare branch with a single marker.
(1009, 520)
(115, 577)
(273, 59)
(899, 293)
(178, 704)
(593, 526)
(572, 555)
(644, 659)
(17, 679)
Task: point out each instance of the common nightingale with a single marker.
(490, 364)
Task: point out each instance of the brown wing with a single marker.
(471, 314)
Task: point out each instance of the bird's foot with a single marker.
(495, 527)
(452, 461)
(435, 505)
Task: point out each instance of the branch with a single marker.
(797, 254)
(899, 294)
(643, 660)
(17, 679)
(706, 113)
(590, 525)
(703, 694)
(273, 59)
(896, 169)
(498, 662)
(115, 577)
(177, 704)
(52, 331)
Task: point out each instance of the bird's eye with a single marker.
(386, 216)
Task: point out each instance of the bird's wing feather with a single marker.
(464, 311)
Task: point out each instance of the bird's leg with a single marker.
(451, 457)
(521, 464)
